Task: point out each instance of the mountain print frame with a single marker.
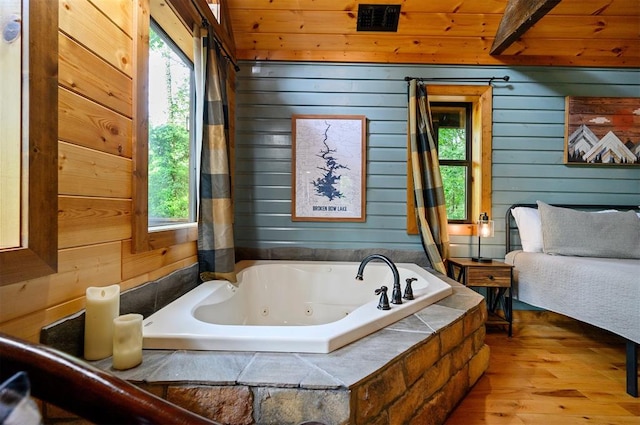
(602, 131)
(328, 167)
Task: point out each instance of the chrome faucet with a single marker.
(396, 297)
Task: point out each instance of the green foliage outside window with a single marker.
(452, 143)
(454, 182)
(452, 147)
(169, 137)
(169, 172)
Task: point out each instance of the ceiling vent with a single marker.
(378, 17)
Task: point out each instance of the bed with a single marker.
(582, 261)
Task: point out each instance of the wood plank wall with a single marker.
(528, 137)
(96, 74)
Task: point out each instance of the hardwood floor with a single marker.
(553, 371)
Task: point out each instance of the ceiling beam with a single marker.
(519, 16)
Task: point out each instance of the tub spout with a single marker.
(394, 270)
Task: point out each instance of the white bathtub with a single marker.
(288, 306)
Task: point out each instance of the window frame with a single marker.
(481, 99)
(193, 166)
(38, 255)
(467, 161)
(144, 239)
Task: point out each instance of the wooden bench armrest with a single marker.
(82, 389)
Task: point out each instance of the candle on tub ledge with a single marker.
(127, 341)
(102, 306)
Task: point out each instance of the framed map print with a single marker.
(328, 167)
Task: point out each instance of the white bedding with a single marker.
(603, 292)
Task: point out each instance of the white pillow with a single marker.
(529, 227)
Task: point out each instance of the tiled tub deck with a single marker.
(414, 371)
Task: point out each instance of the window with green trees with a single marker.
(452, 127)
(171, 169)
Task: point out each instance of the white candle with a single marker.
(127, 341)
(102, 306)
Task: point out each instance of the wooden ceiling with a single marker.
(573, 33)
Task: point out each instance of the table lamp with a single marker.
(485, 230)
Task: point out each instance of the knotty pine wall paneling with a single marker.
(96, 76)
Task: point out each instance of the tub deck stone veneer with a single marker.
(414, 371)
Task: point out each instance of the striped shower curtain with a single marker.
(216, 255)
(430, 208)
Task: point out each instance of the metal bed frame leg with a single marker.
(632, 368)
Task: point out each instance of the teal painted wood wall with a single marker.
(528, 143)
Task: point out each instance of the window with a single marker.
(11, 166)
(151, 230)
(180, 21)
(171, 178)
(452, 127)
(476, 167)
(37, 218)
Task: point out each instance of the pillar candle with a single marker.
(102, 306)
(127, 341)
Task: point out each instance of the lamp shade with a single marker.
(485, 226)
(485, 230)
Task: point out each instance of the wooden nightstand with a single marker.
(496, 276)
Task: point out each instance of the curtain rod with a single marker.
(205, 24)
(226, 54)
(488, 79)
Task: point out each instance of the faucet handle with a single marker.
(383, 304)
(396, 295)
(408, 290)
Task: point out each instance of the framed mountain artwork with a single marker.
(328, 161)
(602, 131)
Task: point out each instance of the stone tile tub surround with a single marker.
(413, 371)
